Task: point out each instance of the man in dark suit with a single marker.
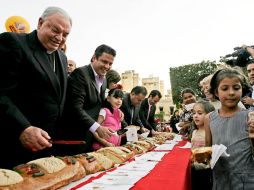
(131, 106)
(147, 110)
(248, 98)
(85, 94)
(33, 83)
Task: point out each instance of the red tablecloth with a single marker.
(172, 172)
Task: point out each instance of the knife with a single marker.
(66, 142)
(121, 131)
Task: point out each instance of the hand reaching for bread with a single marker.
(144, 130)
(108, 144)
(35, 139)
(104, 132)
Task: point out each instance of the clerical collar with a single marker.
(50, 52)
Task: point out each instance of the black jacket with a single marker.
(127, 108)
(30, 92)
(143, 112)
(83, 104)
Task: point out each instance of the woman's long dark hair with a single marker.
(116, 93)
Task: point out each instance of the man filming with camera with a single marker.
(248, 100)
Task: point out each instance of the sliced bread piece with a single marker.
(103, 160)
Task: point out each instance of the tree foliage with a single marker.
(189, 76)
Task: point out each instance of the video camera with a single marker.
(240, 57)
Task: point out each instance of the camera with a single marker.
(240, 57)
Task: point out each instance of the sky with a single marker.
(149, 36)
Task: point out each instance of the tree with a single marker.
(189, 76)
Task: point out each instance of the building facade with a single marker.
(129, 80)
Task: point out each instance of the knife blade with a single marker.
(66, 142)
(121, 131)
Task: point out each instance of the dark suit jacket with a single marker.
(248, 94)
(30, 92)
(143, 112)
(127, 110)
(83, 104)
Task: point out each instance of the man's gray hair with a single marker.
(52, 10)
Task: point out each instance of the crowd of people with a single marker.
(44, 97)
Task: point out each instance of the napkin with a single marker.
(165, 147)
(177, 138)
(97, 186)
(115, 180)
(132, 135)
(151, 156)
(217, 152)
(177, 127)
(130, 173)
(139, 166)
